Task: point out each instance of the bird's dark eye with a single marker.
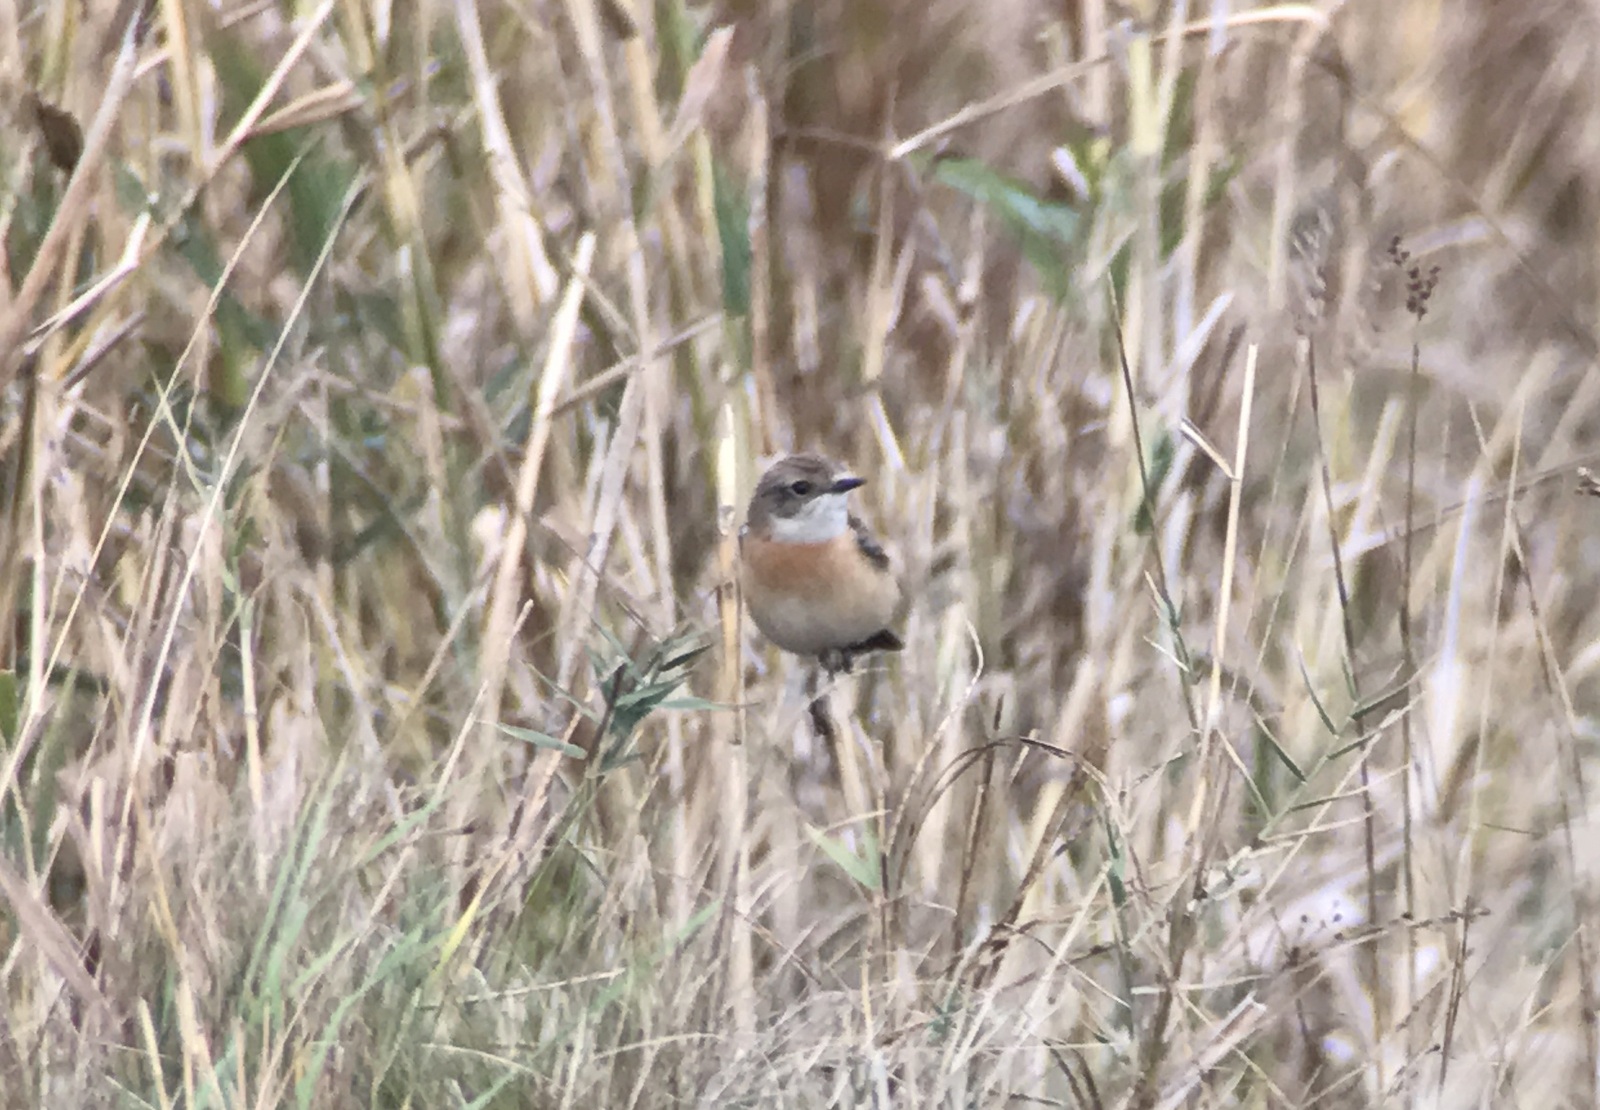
(800, 488)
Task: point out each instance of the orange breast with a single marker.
(809, 597)
(808, 569)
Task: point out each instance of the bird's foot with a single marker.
(836, 661)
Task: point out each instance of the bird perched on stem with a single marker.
(815, 581)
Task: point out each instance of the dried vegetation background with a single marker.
(379, 383)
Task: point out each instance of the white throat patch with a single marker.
(823, 518)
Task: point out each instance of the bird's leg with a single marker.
(820, 719)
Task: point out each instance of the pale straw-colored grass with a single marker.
(378, 395)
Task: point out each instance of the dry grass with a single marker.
(378, 387)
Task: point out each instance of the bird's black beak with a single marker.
(846, 484)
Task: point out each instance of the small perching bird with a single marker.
(815, 581)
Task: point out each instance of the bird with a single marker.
(815, 581)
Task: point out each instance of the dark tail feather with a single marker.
(882, 640)
(837, 660)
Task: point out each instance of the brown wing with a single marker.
(869, 546)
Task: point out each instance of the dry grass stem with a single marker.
(380, 389)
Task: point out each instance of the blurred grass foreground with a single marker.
(380, 387)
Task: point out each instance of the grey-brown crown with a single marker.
(793, 482)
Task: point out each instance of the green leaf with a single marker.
(393, 966)
(1385, 701)
(733, 229)
(863, 869)
(1116, 867)
(241, 335)
(1163, 453)
(630, 709)
(1174, 202)
(686, 656)
(488, 1096)
(696, 921)
(691, 704)
(1354, 745)
(1042, 227)
(317, 189)
(1316, 702)
(10, 705)
(129, 189)
(542, 740)
(617, 758)
(1283, 756)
